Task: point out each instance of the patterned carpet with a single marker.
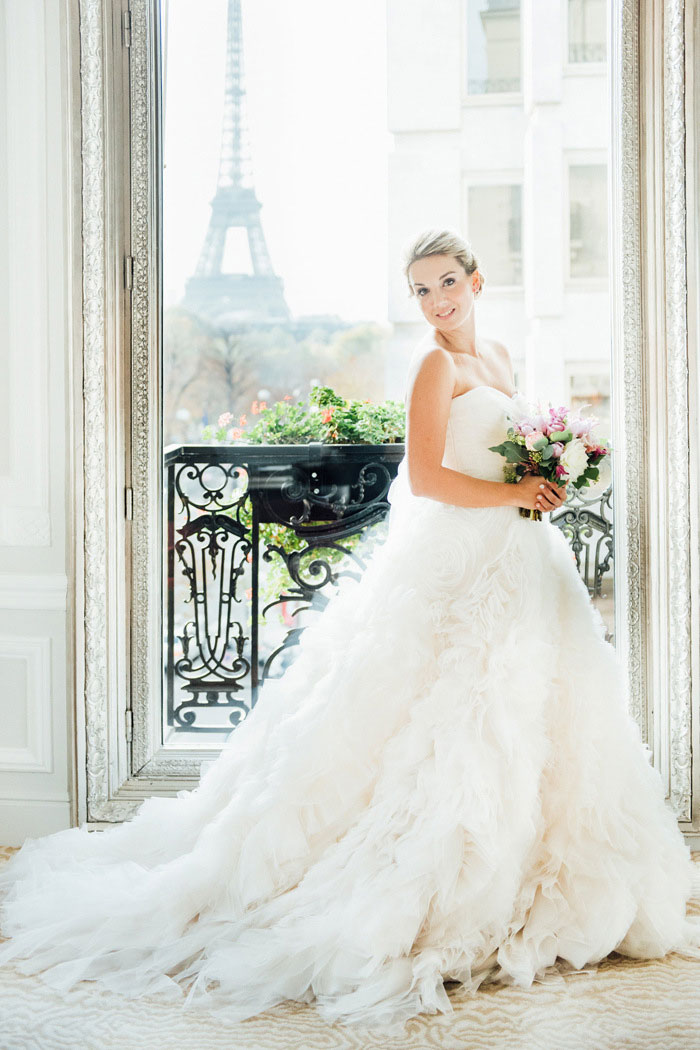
(623, 1005)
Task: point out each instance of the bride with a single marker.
(445, 785)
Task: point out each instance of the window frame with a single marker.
(579, 67)
(581, 159)
(486, 180)
(118, 553)
(486, 98)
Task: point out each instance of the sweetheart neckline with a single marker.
(484, 386)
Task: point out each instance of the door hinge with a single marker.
(128, 271)
(126, 28)
(129, 504)
(129, 725)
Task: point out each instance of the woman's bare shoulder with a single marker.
(429, 362)
(497, 347)
(501, 354)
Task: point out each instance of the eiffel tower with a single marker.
(229, 299)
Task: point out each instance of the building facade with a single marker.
(500, 117)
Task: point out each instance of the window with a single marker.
(591, 388)
(493, 46)
(588, 221)
(495, 219)
(587, 30)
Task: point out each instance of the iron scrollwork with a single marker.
(219, 501)
(222, 501)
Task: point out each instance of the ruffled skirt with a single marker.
(445, 784)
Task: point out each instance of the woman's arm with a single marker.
(427, 412)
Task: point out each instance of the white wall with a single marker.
(35, 720)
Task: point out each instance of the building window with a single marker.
(493, 46)
(587, 30)
(588, 220)
(495, 230)
(589, 390)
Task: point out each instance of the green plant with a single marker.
(327, 417)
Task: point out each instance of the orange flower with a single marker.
(254, 408)
(327, 414)
(236, 433)
(287, 397)
(249, 556)
(263, 404)
(243, 420)
(249, 593)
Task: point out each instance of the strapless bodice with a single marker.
(477, 420)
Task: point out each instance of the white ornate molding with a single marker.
(35, 755)
(675, 459)
(100, 699)
(627, 358)
(43, 592)
(653, 484)
(94, 457)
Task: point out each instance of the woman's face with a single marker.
(444, 290)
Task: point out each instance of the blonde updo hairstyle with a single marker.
(443, 242)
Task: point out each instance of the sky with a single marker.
(315, 77)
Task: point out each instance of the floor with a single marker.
(623, 1005)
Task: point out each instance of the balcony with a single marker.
(256, 537)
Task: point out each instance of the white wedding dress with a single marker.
(445, 784)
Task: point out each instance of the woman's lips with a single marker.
(449, 314)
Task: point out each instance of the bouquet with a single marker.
(554, 443)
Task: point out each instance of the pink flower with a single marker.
(234, 434)
(243, 420)
(225, 419)
(327, 414)
(557, 449)
(560, 471)
(580, 427)
(532, 437)
(524, 429)
(254, 408)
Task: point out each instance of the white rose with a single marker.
(574, 458)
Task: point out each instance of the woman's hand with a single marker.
(536, 493)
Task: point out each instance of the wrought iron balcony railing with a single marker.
(255, 537)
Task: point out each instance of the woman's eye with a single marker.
(421, 290)
(450, 280)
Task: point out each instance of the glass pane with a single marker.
(587, 30)
(274, 280)
(495, 217)
(589, 391)
(290, 192)
(493, 46)
(588, 220)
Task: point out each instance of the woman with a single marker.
(445, 784)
